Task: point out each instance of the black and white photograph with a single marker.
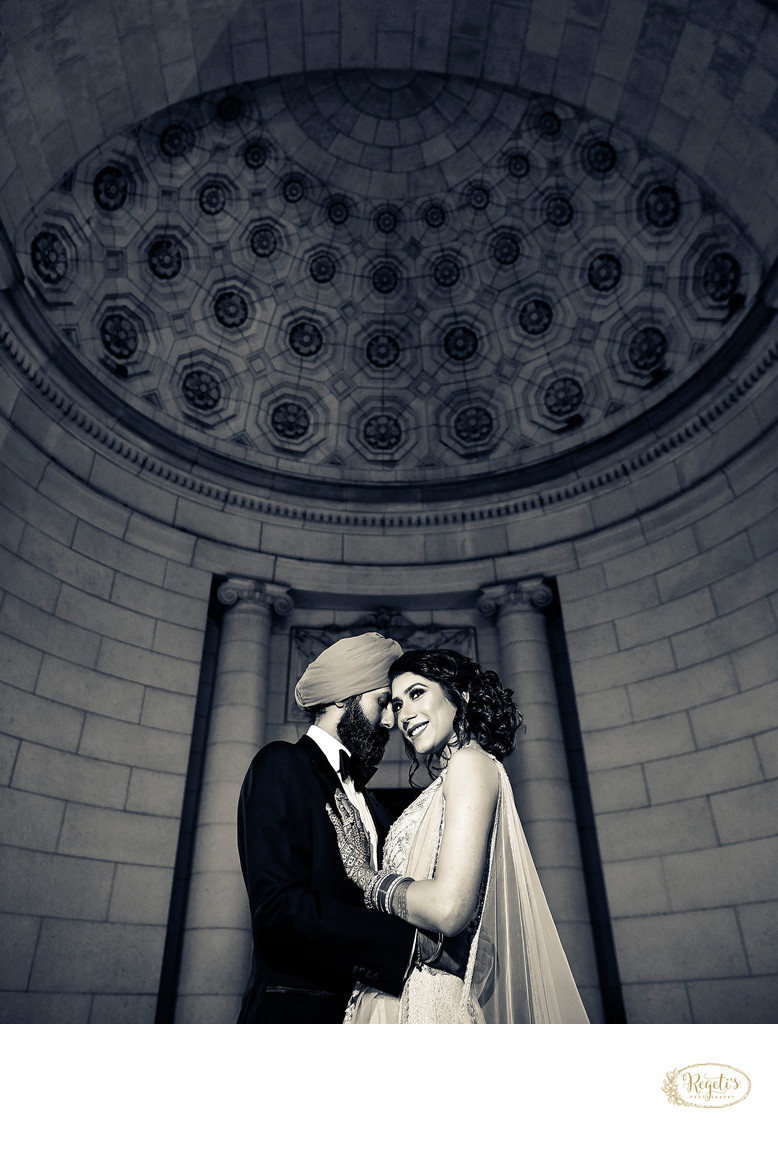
(389, 569)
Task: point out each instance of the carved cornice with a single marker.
(253, 593)
(526, 594)
(139, 456)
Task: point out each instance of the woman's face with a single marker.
(424, 714)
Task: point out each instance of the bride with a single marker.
(456, 860)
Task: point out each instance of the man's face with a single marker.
(365, 725)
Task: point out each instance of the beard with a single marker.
(365, 741)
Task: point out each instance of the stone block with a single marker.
(750, 812)
(702, 772)
(688, 509)
(141, 894)
(636, 888)
(759, 924)
(11, 530)
(219, 800)
(753, 582)
(662, 737)
(132, 745)
(153, 792)
(187, 580)
(622, 604)
(87, 689)
(647, 625)
(592, 642)
(605, 544)
(652, 558)
(732, 555)
(750, 712)
(18, 938)
(736, 516)
(756, 664)
(118, 836)
(135, 595)
(763, 535)
(729, 633)
(39, 720)
(83, 502)
(218, 558)
(725, 875)
(655, 831)
(625, 666)
(29, 820)
(118, 555)
(19, 663)
(219, 525)
(49, 884)
(767, 749)
(123, 661)
(584, 583)
(660, 1003)
(44, 1008)
(208, 1009)
(105, 617)
(179, 641)
(470, 541)
(674, 947)
(167, 711)
(28, 583)
(9, 748)
(217, 900)
(622, 788)
(214, 960)
(70, 567)
(97, 957)
(159, 539)
(123, 1009)
(42, 770)
(735, 1001)
(683, 689)
(141, 493)
(44, 631)
(34, 508)
(604, 709)
(216, 850)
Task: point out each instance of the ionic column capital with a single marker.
(237, 592)
(522, 595)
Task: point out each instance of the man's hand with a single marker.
(451, 957)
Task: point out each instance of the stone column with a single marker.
(539, 773)
(217, 939)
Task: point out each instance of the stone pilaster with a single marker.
(217, 939)
(539, 770)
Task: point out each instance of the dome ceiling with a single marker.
(384, 278)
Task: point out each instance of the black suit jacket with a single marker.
(313, 936)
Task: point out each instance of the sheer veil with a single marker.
(517, 970)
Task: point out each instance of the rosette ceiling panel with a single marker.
(384, 279)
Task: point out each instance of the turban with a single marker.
(348, 667)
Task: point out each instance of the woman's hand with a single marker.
(353, 842)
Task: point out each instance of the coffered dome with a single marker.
(376, 280)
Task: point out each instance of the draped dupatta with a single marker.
(517, 971)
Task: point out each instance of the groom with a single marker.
(313, 936)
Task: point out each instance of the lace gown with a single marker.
(517, 971)
(430, 996)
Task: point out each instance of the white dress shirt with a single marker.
(332, 750)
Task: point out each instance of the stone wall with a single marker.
(671, 622)
(666, 567)
(101, 629)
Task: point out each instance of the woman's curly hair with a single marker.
(487, 715)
